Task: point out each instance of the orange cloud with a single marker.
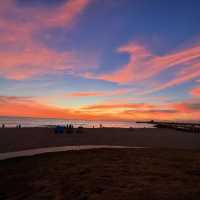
(27, 106)
(182, 107)
(195, 91)
(190, 109)
(151, 115)
(22, 106)
(121, 105)
(99, 93)
(85, 94)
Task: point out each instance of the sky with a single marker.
(100, 59)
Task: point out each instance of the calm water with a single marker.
(38, 122)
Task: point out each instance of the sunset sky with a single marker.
(100, 59)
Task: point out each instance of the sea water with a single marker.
(43, 122)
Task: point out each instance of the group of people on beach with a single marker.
(18, 126)
(69, 128)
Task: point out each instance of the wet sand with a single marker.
(126, 174)
(12, 139)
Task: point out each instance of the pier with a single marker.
(186, 127)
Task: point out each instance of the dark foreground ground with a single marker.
(12, 139)
(145, 174)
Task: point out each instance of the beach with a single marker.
(168, 167)
(13, 139)
(126, 174)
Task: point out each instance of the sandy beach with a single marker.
(169, 169)
(12, 139)
(126, 174)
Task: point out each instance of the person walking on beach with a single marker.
(19, 126)
(3, 125)
(69, 128)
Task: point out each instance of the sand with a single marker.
(12, 139)
(139, 174)
(169, 169)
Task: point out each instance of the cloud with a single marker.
(144, 111)
(29, 106)
(116, 92)
(26, 21)
(22, 55)
(195, 91)
(187, 107)
(119, 106)
(143, 66)
(183, 76)
(64, 14)
(40, 61)
(25, 106)
(10, 99)
(134, 111)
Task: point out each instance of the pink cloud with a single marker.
(188, 110)
(195, 91)
(40, 61)
(143, 65)
(185, 75)
(29, 20)
(23, 56)
(65, 14)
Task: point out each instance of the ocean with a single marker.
(43, 122)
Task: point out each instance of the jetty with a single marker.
(181, 126)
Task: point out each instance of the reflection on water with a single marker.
(32, 152)
(38, 122)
